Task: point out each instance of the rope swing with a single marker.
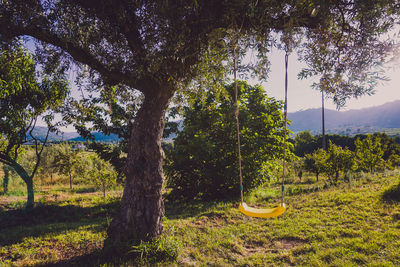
(246, 210)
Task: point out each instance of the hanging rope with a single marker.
(246, 210)
(237, 121)
(285, 121)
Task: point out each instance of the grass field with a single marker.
(351, 224)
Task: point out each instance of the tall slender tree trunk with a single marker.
(70, 180)
(142, 207)
(323, 122)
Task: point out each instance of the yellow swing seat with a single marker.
(262, 213)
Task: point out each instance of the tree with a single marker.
(204, 160)
(338, 160)
(369, 153)
(315, 162)
(67, 161)
(47, 167)
(102, 174)
(388, 145)
(23, 98)
(161, 47)
(304, 143)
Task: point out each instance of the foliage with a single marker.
(68, 161)
(204, 159)
(394, 160)
(316, 162)
(369, 153)
(47, 167)
(102, 174)
(110, 113)
(304, 143)
(24, 96)
(338, 160)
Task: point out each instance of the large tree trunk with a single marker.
(142, 207)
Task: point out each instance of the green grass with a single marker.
(350, 224)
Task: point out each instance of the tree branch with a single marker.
(38, 151)
(6, 159)
(79, 54)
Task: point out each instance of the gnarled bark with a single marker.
(142, 207)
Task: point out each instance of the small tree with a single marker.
(24, 97)
(315, 162)
(47, 167)
(338, 160)
(305, 143)
(102, 173)
(369, 153)
(67, 161)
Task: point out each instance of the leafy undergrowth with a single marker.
(356, 223)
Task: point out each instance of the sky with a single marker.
(301, 96)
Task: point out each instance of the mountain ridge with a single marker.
(377, 117)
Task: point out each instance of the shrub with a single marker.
(204, 160)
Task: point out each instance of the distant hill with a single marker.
(40, 133)
(100, 137)
(386, 116)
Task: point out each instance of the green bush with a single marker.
(204, 160)
(315, 162)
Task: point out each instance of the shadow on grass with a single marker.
(182, 209)
(392, 194)
(95, 258)
(43, 219)
(150, 253)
